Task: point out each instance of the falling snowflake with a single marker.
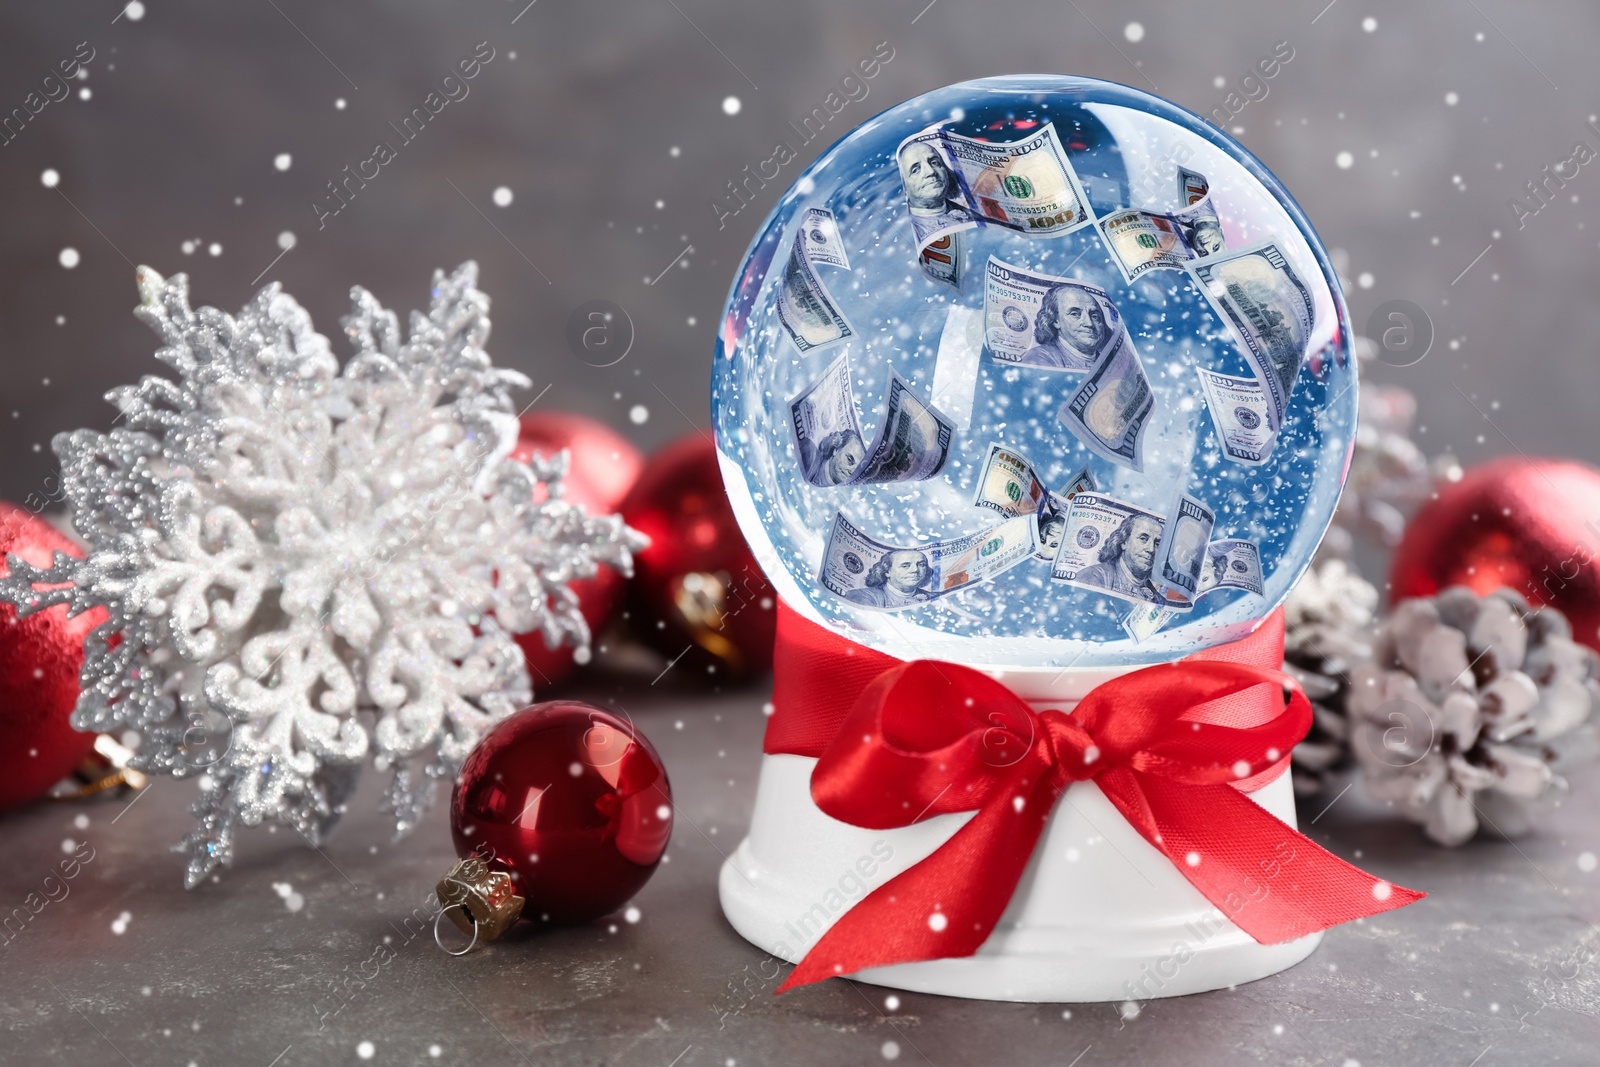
(303, 565)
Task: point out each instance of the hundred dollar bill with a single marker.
(805, 307)
(1008, 484)
(1192, 187)
(954, 183)
(1108, 410)
(1039, 320)
(1183, 552)
(1110, 546)
(1142, 241)
(1239, 411)
(819, 236)
(912, 443)
(884, 577)
(1269, 311)
(827, 435)
(1231, 563)
(1144, 620)
(1053, 513)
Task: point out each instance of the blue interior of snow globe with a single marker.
(942, 270)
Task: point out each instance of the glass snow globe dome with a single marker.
(1035, 372)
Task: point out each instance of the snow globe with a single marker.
(1049, 378)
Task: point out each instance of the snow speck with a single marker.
(575, 769)
(1451, 99)
(891, 1003)
(502, 196)
(731, 105)
(638, 414)
(291, 900)
(1134, 31)
(1344, 160)
(1365, 279)
(674, 151)
(85, 93)
(340, 104)
(119, 925)
(1381, 890)
(68, 257)
(365, 1050)
(1353, 1062)
(1586, 862)
(632, 915)
(1241, 769)
(663, 813)
(145, 991)
(890, 1050)
(81, 821)
(1129, 1010)
(1370, 25)
(282, 160)
(188, 248)
(1192, 859)
(68, 845)
(937, 921)
(435, 1051)
(134, 11)
(286, 240)
(1218, 82)
(50, 178)
(214, 248)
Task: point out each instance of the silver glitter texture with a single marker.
(304, 565)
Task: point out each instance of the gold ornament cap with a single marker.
(479, 900)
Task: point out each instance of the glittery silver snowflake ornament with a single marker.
(304, 565)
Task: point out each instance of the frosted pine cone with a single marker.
(1465, 709)
(1329, 617)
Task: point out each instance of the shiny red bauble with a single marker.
(697, 592)
(1530, 524)
(572, 801)
(602, 466)
(39, 661)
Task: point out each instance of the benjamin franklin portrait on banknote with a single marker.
(932, 192)
(836, 459)
(1070, 330)
(1125, 560)
(897, 579)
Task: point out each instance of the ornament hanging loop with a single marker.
(454, 951)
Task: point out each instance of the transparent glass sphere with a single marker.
(1035, 371)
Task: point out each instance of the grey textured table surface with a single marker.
(592, 113)
(1496, 967)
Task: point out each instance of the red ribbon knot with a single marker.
(1173, 747)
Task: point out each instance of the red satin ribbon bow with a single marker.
(1173, 747)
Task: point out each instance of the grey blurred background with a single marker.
(204, 132)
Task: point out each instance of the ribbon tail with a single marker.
(946, 905)
(1268, 879)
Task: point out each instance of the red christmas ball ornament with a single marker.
(602, 466)
(572, 801)
(39, 661)
(697, 588)
(1532, 525)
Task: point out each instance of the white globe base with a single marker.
(1099, 915)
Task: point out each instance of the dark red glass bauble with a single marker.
(573, 801)
(698, 592)
(39, 661)
(1532, 525)
(602, 466)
